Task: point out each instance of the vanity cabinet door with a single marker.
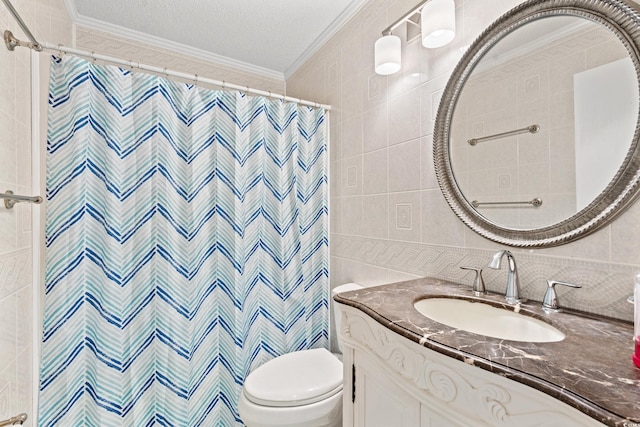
(379, 401)
(429, 418)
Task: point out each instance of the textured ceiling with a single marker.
(271, 34)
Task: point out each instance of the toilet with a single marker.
(298, 389)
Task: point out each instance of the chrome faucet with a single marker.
(550, 299)
(512, 294)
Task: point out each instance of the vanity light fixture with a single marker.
(388, 50)
(438, 26)
(438, 23)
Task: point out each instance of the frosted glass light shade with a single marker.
(438, 23)
(388, 54)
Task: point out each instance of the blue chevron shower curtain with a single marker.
(186, 243)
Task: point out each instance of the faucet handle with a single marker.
(550, 300)
(478, 282)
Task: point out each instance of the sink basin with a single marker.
(487, 320)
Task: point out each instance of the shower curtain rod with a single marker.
(11, 42)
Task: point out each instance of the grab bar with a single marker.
(537, 202)
(11, 199)
(530, 129)
(17, 420)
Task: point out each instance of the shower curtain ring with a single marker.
(196, 80)
(166, 75)
(223, 84)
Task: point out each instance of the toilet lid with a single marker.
(295, 379)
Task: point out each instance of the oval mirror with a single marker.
(536, 137)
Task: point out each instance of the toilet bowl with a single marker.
(298, 389)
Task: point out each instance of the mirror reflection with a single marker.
(569, 84)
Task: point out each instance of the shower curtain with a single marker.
(186, 244)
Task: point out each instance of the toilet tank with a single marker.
(336, 310)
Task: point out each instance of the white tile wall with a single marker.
(398, 114)
(48, 20)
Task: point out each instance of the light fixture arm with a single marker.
(387, 31)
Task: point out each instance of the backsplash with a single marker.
(600, 281)
(389, 220)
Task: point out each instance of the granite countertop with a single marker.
(591, 369)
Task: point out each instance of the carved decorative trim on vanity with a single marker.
(454, 387)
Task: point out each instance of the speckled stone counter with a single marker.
(591, 369)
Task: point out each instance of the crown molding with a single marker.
(329, 32)
(96, 24)
(72, 10)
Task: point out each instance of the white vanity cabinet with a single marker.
(380, 402)
(399, 383)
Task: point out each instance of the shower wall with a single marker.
(49, 21)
